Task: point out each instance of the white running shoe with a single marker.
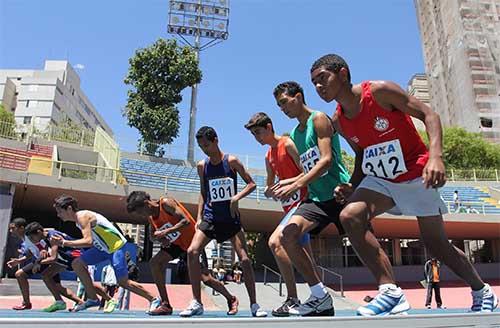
(484, 300)
(257, 312)
(194, 308)
(387, 302)
(315, 306)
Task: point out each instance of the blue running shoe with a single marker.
(87, 304)
(484, 300)
(387, 302)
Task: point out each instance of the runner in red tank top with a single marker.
(173, 226)
(393, 173)
(282, 162)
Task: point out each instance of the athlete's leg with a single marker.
(436, 241)
(240, 246)
(291, 236)
(22, 280)
(158, 264)
(283, 261)
(200, 240)
(215, 284)
(364, 205)
(79, 265)
(121, 271)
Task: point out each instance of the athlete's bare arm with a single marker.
(171, 207)
(292, 151)
(201, 199)
(270, 179)
(84, 219)
(324, 132)
(237, 166)
(391, 97)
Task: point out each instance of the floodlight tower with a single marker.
(196, 20)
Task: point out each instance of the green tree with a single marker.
(157, 75)
(467, 150)
(348, 161)
(7, 123)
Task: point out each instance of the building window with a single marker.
(27, 120)
(486, 122)
(31, 103)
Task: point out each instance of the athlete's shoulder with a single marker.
(168, 202)
(382, 86)
(232, 159)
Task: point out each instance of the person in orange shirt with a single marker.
(173, 226)
(431, 269)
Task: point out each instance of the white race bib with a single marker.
(292, 200)
(309, 158)
(171, 236)
(384, 160)
(221, 189)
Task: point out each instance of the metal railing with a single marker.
(280, 282)
(466, 207)
(323, 270)
(473, 175)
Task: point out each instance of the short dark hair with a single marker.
(259, 120)
(33, 228)
(206, 132)
(333, 63)
(19, 222)
(136, 200)
(64, 201)
(290, 88)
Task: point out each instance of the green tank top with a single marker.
(306, 141)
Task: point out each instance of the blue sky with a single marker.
(270, 41)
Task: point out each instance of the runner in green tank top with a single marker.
(306, 141)
(321, 160)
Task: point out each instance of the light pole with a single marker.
(198, 19)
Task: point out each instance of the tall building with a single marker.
(135, 231)
(48, 96)
(461, 44)
(418, 86)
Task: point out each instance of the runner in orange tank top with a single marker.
(282, 162)
(173, 226)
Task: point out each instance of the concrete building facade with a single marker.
(48, 97)
(461, 45)
(418, 87)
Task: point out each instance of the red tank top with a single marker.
(181, 238)
(284, 167)
(392, 147)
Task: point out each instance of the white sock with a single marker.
(485, 288)
(318, 290)
(391, 289)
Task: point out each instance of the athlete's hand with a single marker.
(159, 233)
(268, 192)
(434, 173)
(342, 192)
(233, 208)
(44, 254)
(284, 193)
(12, 263)
(165, 242)
(57, 240)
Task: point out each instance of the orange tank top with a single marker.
(181, 238)
(284, 167)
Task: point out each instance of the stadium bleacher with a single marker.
(183, 178)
